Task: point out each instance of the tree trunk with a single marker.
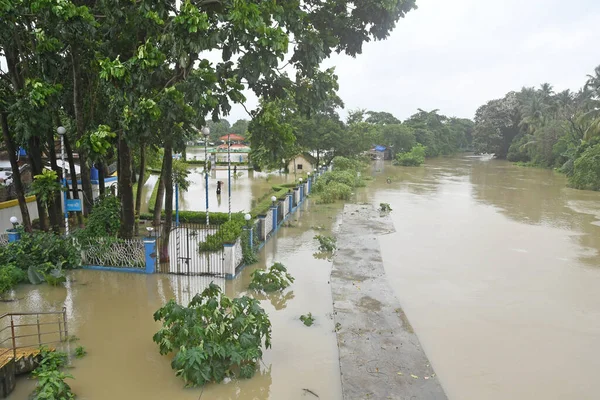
(12, 155)
(86, 185)
(318, 158)
(160, 196)
(168, 179)
(125, 190)
(140, 188)
(54, 209)
(133, 177)
(101, 183)
(35, 159)
(73, 173)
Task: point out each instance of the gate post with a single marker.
(150, 251)
(290, 199)
(229, 259)
(274, 212)
(263, 227)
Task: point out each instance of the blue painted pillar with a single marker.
(13, 235)
(310, 178)
(301, 192)
(150, 250)
(251, 236)
(274, 210)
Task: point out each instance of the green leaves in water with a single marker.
(307, 319)
(50, 379)
(385, 207)
(326, 243)
(214, 337)
(277, 278)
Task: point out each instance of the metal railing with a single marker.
(32, 329)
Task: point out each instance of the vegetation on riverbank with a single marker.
(542, 128)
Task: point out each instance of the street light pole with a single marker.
(229, 171)
(206, 132)
(61, 132)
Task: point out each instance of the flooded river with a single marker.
(496, 266)
(498, 269)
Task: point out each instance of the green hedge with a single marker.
(199, 217)
(229, 232)
(263, 206)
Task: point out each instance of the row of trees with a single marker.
(280, 130)
(125, 77)
(547, 129)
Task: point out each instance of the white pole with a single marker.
(64, 173)
(229, 171)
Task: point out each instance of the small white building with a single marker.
(302, 164)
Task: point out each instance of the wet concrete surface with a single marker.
(380, 355)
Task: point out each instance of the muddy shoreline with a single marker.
(380, 355)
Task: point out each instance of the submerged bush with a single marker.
(10, 276)
(334, 191)
(586, 170)
(214, 336)
(277, 278)
(326, 243)
(307, 319)
(50, 379)
(413, 158)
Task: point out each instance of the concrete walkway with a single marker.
(380, 355)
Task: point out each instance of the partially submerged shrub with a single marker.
(10, 276)
(307, 319)
(586, 170)
(334, 191)
(214, 336)
(326, 243)
(50, 379)
(384, 207)
(80, 352)
(276, 278)
(413, 158)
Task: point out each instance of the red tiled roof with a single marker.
(232, 136)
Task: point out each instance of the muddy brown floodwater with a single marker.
(111, 313)
(498, 270)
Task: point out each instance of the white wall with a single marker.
(15, 211)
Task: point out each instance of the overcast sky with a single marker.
(455, 55)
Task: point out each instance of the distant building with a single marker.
(302, 163)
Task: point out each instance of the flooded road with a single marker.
(497, 268)
(111, 313)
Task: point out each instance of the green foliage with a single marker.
(51, 383)
(265, 204)
(348, 164)
(586, 170)
(45, 186)
(385, 207)
(276, 278)
(329, 193)
(307, 319)
(248, 251)
(413, 158)
(228, 232)
(214, 337)
(105, 218)
(80, 352)
(10, 276)
(180, 175)
(42, 251)
(326, 243)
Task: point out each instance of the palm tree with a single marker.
(592, 116)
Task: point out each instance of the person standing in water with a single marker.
(219, 183)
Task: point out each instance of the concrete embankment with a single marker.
(380, 355)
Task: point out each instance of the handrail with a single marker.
(62, 331)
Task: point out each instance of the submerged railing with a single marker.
(31, 329)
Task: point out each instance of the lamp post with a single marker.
(61, 132)
(229, 171)
(14, 221)
(273, 200)
(206, 132)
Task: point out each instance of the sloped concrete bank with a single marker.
(380, 355)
